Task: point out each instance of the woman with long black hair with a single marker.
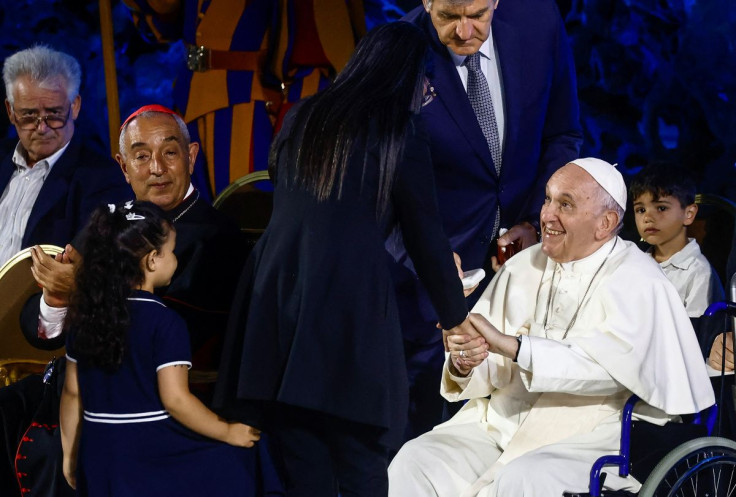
(315, 344)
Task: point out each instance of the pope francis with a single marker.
(570, 328)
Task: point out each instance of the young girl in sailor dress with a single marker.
(130, 426)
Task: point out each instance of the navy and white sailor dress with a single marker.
(130, 445)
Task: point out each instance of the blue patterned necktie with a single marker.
(480, 99)
(479, 95)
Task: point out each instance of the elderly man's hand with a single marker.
(524, 233)
(464, 328)
(498, 343)
(716, 353)
(55, 274)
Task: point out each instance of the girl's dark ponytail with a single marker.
(115, 240)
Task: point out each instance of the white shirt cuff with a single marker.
(524, 360)
(50, 320)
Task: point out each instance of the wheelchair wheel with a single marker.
(704, 467)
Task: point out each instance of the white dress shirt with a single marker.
(50, 320)
(19, 197)
(491, 68)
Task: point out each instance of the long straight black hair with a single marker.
(381, 86)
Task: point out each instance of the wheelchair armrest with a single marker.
(622, 459)
(727, 307)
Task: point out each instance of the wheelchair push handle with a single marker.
(727, 307)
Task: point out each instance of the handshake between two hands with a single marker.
(466, 343)
(470, 342)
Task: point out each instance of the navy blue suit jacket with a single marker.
(80, 180)
(542, 133)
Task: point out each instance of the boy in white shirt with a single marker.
(664, 206)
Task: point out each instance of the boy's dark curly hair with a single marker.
(662, 179)
(115, 240)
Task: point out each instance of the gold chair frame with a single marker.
(16, 286)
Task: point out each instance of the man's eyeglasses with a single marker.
(53, 121)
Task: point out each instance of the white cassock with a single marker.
(557, 410)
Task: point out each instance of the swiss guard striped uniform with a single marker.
(248, 61)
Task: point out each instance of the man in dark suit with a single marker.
(51, 181)
(496, 139)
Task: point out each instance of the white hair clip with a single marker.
(111, 207)
(129, 204)
(132, 216)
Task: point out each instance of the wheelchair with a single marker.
(700, 467)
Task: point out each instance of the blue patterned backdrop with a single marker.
(657, 78)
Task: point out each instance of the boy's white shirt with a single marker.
(692, 275)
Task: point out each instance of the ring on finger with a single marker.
(462, 353)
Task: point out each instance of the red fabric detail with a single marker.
(42, 425)
(146, 108)
(42, 332)
(307, 49)
(19, 475)
(280, 117)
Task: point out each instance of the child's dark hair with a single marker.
(661, 180)
(115, 240)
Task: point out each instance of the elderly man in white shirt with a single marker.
(52, 180)
(49, 184)
(570, 329)
(19, 196)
